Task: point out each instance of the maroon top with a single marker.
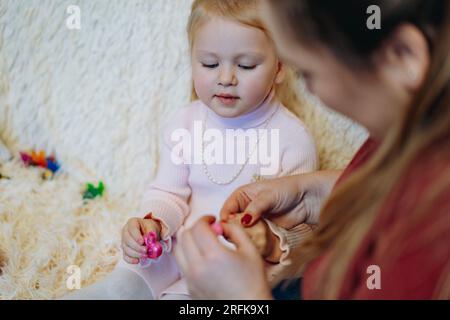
(413, 255)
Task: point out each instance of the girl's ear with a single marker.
(279, 77)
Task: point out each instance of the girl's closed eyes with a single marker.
(247, 67)
(210, 65)
(244, 61)
(215, 65)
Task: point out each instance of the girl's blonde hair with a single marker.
(247, 13)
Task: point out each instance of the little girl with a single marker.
(241, 92)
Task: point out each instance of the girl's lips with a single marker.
(227, 100)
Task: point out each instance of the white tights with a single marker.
(121, 284)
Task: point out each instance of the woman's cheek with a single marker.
(331, 95)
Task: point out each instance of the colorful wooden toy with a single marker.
(92, 192)
(38, 159)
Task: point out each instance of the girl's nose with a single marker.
(227, 77)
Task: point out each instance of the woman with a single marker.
(390, 208)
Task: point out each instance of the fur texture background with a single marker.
(96, 98)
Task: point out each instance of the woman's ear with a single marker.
(405, 58)
(279, 77)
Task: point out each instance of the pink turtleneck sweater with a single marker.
(182, 193)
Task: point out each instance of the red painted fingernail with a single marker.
(246, 219)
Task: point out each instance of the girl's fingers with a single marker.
(237, 235)
(131, 242)
(147, 225)
(130, 260)
(135, 232)
(131, 253)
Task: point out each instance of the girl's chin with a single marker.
(227, 112)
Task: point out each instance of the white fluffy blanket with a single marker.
(96, 97)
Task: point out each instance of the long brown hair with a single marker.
(245, 12)
(352, 208)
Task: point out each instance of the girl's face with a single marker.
(234, 66)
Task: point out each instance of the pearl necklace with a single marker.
(234, 177)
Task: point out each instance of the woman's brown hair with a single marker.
(353, 207)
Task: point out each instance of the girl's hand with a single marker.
(133, 238)
(213, 271)
(265, 242)
(287, 201)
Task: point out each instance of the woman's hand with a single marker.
(287, 201)
(214, 271)
(133, 238)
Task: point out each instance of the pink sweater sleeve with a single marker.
(168, 195)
